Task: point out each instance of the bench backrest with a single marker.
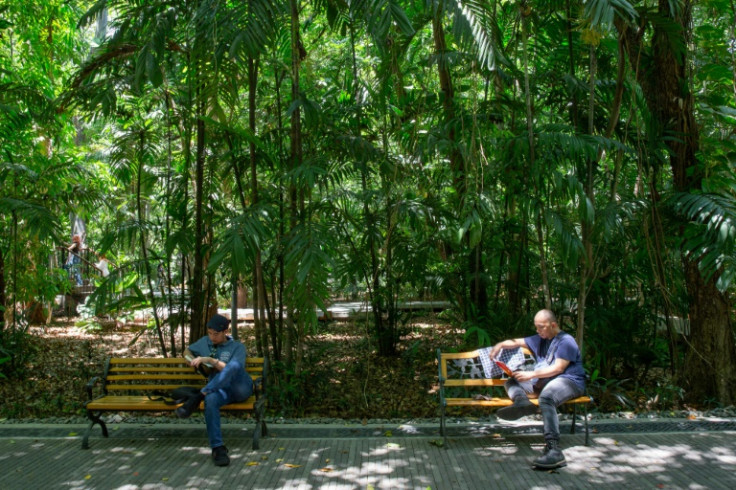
(464, 369)
(164, 374)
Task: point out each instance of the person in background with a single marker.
(103, 265)
(228, 381)
(74, 259)
(557, 377)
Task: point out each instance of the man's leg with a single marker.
(212, 404)
(233, 381)
(518, 392)
(230, 385)
(554, 394)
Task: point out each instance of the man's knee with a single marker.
(233, 366)
(214, 400)
(547, 399)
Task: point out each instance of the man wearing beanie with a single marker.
(228, 382)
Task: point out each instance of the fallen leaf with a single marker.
(388, 433)
(279, 460)
(166, 478)
(87, 477)
(327, 460)
(325, 470)
(437, 442)
(392, 444)
(251, 463)
(72, 434)
(289, 465)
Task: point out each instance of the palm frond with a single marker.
(601, 13)
(475, 17)
(711, 241)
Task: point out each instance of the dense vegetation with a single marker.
(500, 155)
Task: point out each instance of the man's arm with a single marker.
(506, 344)
(191, 354)
(555, 369)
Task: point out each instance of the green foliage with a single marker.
(711, 238)
(16, 350)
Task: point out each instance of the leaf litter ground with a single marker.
(342, 376)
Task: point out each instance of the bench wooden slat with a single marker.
(154, 377)
(154, 371)
(150, 369)
(138, 403)
(149, 387)
(474, 382)
(497, 402)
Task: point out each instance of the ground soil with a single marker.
(342, 377)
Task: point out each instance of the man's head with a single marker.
(217, 328)
(546, 324)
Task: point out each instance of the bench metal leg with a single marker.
(93, 419)
(443, 429)
(260, 428)
(585, 421)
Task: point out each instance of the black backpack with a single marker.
(177, 396)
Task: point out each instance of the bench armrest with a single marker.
(90, 386)
(259, 387)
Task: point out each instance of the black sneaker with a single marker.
(220, 457)
(551, 458)
(189, 406)
(517, 410)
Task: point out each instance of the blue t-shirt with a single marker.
(567, 350)
(225, 352)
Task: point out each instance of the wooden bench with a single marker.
(450, 377)
(135, 385)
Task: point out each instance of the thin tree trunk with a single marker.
(295, 162)
(2, 290)
(587, 267)
(143, 245)
(197, 325)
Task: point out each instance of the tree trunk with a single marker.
(2, 290)
(709, 371)
(474, 299)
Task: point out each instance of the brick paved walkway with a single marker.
(166, 458)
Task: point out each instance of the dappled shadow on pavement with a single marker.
(659, 460)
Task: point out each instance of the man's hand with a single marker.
(198, 361)
(524, 375)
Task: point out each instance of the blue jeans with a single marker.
(231, 385)
(73, 268)
(555, 393)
